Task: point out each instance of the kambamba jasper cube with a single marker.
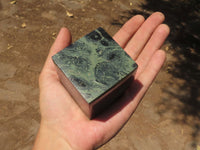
(95, 70)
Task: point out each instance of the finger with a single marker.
(128, 29)
(141, 37)
(155, 42)
(152, 68)
(121, 111)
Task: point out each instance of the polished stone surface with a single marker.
(94, 64)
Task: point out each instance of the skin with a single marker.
(63, 124)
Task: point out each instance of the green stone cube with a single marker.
(95, 71)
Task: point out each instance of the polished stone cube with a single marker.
(95, 71)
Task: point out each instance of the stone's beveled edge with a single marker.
(106, 35)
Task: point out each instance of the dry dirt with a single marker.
(27, 30)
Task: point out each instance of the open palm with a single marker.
(60, 114)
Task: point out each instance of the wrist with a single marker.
(49, 139)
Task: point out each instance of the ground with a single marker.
(168, 116)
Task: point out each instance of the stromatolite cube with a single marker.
(95, 71)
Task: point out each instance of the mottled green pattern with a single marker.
(94, 64)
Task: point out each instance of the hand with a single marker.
(63, 124)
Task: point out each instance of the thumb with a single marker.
(63, 40)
